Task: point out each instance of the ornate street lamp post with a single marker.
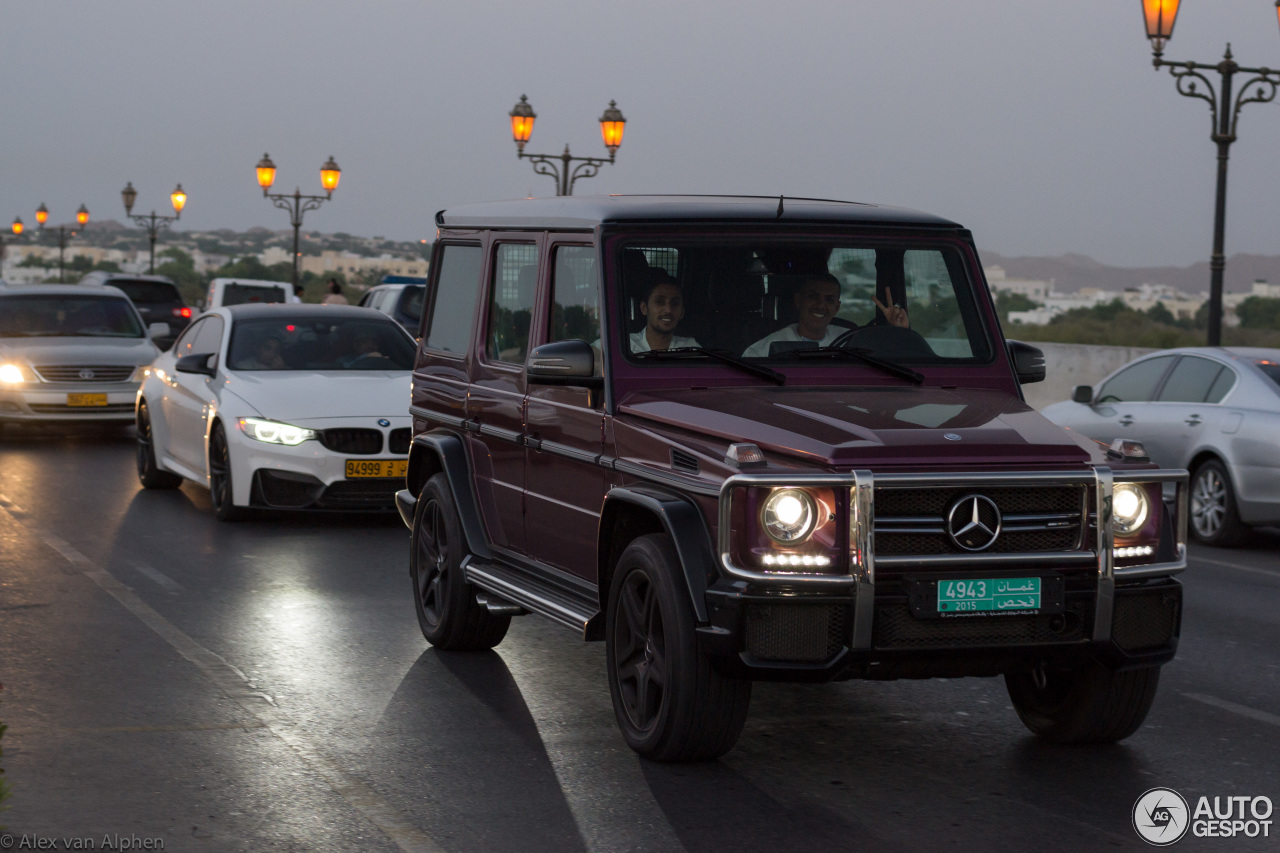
(1224, 112)
(17, 232)
(612, 125)
(82, 218)
(297, 204)
(153, 222)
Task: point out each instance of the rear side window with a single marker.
(242, 294)
(575, 309)
(449, 327)
(515, 284)
(1190, 381)
(411, 303)
(1136, 383)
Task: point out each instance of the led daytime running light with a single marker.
(274, 432)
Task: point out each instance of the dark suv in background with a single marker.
(400, 297)
(155, 296)
(742, 438)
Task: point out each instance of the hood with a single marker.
(80, 350)
(296, 395)
(845, 427)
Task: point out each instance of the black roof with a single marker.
(255, 310)
(586, 212)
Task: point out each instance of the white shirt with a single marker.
(640, 343)
(760, 349)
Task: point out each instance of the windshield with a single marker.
(779, 301)
(308, 343)
(148, 291)
(58, 315)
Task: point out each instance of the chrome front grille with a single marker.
(80, 373)
(912, 521)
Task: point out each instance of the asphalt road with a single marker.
(264, 686)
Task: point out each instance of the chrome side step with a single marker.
(513, 588)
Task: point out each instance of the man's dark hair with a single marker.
(819, 276)
(657, 277)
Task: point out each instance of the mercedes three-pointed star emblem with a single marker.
(974, 522)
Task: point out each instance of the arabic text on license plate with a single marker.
(377, 468)
(996, 594)
(86, 399)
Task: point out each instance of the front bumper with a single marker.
(32, 402)
(310, 475)
(859, 623)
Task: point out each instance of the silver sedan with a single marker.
(1214, 411)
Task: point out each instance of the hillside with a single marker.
(1071, 272)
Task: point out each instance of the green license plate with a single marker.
(973, 595)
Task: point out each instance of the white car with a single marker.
(282, 407)
(224, 292)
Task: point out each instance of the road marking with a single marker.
(1242, 710)
(1225, 564)
(406, 835)
(169, 584)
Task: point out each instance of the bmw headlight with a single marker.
(788, 516)
(274, 432)
(1129, 507)
(12, 374)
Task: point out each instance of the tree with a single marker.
(1007, 301)
(1259, 312)
(179, 267)
(1161, 314)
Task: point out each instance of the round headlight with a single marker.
(11, 374)
(1130, 507)
(788, 516)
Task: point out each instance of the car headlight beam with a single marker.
(789, 516)
(1129, 507)
(275, 432)
(12, 374)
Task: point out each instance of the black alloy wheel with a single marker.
(670, 703)
(220, 491)
(1215, 519)
(150, 474)
(448, 613)
(1086, 704)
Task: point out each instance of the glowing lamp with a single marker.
(329, 175)
(130, 195)
(522, 116)
(179, 199)
(42, 214)
(17, 226)
(1160, 15)
(266, 173)
(82, 216)
(611, 126)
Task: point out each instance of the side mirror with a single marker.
(158, 330)
(1028, 362)
(197, 363)
(1082, 394)
(564, 363)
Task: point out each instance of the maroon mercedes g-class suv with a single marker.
(744, 438)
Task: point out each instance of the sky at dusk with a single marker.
(1041, 126)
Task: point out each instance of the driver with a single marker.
(663, 309)
(266, 354)
(818, 301)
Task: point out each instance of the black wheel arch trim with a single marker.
(680, 520)
(451, 453)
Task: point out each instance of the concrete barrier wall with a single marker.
(1069, 365)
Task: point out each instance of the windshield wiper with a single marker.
(719, 355)
(862, 354)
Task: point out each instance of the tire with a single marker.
(220, 491)
(670, 704)
(1214, 517)
(150, 474)
(1089, 704)
(448, 614)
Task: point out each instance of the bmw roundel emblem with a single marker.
(383, 422)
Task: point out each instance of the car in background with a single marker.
(400, 297)
(280, 406)
(244, 291)
(1212, 410)
(71, 353)
(156, 297)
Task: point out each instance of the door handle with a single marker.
(1127, 420)
(1194, 420)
